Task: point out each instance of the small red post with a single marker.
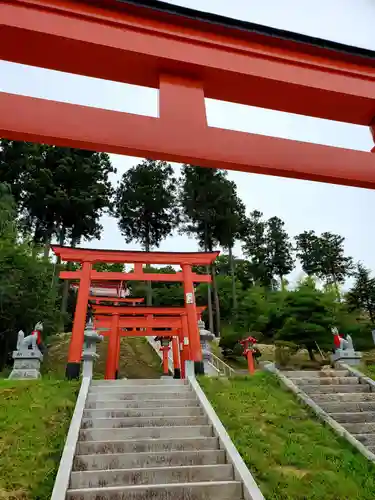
(250, 361)
(176, 357)
(165, 351)
(248, 346)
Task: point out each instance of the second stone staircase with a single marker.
(148, 439)
(343, 396)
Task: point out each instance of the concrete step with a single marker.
(231, 490)
(147, 459)
(139, 389)
(171, 411)
(142, 403)
(137, 396)
(147, 445)
(303, 381)
(342, 407)
(146, 432)
(158, 475)
(366, 439)
(328, 389)
(354, 417)
(361, 428)
(140, 381)
(106, 423)
(347, 398)
(315, 373)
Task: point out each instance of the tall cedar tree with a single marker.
(146, 205)
(59, 192)
(27, 291)
(204, 201)
(324, 256)
(279, 249)
(362, 294)
(231, 226)
(268, 247)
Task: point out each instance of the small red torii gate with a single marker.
(116, 318)
(87, 257)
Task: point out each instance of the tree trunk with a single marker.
(233, 274)
(311, 353)
(216, 300)
(209, 289)
(47, 244)
(209, 304)
(65, 292)
(149, 283)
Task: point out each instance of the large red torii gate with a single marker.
(87, 257)
(188, 55)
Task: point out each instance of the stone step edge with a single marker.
(144, 453)
(351, 413)
(142, 399)
(140, 487)
(143, 409)
(170, 468)
(140, 420)
(90, 429)
(151, 441)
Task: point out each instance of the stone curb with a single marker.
(321, 414)
(251, 490)
(356, 373)
(65, 468)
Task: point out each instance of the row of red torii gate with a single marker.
(128, 317)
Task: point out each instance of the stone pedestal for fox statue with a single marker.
(27, 356)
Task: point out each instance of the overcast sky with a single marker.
(301, 204)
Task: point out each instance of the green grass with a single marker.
(137, 358)
(291, 454)
(34, 419)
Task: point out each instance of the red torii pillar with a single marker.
(75, 348)
(191, 312)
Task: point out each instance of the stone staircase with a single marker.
(148, 439)
(343, 396)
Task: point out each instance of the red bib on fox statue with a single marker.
(38, 329)
(337, 338)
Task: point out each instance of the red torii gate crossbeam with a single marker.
(87, 257)
(188, 55)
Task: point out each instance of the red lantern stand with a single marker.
(248, 351)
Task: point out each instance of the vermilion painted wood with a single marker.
(132, 257)
(136, 45)
(125, 300)
(139, 310)
(138, 333)
(139, 322)
(176, 277)
(38, 120)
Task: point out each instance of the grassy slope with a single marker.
(34, 419)
(291, 454)
(137, 358)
